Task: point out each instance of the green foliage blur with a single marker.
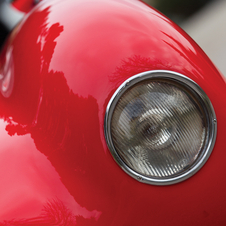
(178, 10)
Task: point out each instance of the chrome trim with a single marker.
(205, 104)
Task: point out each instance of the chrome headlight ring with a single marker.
(160, 127)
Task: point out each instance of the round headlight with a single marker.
(160, 127)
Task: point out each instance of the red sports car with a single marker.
(110, 115)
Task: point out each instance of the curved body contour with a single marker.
(59, 70)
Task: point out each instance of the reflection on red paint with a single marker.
(69, 57)
(47, 129)
(24, 5)
(54, 212)
(7, 74)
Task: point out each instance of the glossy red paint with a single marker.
(23, 5)
(64, 63)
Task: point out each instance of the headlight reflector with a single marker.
(160, 127)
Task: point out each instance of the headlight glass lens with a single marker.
(159, 127)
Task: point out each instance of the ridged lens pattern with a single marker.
(158, 128)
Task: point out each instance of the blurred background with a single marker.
(178, 10)
(203, 20)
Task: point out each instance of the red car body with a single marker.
(59, 69)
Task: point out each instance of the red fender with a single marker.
(58, 71)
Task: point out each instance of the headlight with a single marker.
(160, 127)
